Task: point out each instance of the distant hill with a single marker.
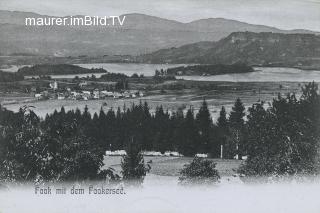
(140, 34)
(189, 53)
(272, 49)
(56, 69)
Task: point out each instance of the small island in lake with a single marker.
(57, 69)
(211, 69)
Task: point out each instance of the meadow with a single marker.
(171, 166)
(217, 94)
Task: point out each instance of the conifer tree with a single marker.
(133, 167)
(222, 131)
(111, 131)
(237, 114)
(86, 117)
(189, 137)
(204, 126)
(236, 121)
(62, 111)
(78, 115)
(177, 120)
(148, 128)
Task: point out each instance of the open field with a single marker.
(171, 166)
(217, 94)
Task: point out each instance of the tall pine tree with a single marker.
(188, 135)
(204, 126)
(222, 131)
(236, 121)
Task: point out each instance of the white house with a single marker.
(117, 95)
(107, 93)
(54, 85)
(96, 94)
(86, 95)
(38, 96)
(83, 84)
(126, 94)
(61, 96)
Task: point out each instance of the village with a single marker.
(82, 92)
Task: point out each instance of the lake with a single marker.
(263, 74)
(129, 68)
(124, 68)
(12, 68)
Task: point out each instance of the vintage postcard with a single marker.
(159, 106)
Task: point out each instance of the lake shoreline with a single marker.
(10, 67)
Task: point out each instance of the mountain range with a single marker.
(139, 35)
(262, 49)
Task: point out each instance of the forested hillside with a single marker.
(265, 49)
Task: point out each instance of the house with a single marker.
(61, 96)
(86, 95)
(75, 95)
(45, 94)
(126, 94)
(33, 89)
(96, 94)
(54, 85)
(102, 95)
(117, 95)
(107, 93)
(38, 96)
(82, 84)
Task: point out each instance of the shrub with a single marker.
(133, 167)
(199, 171)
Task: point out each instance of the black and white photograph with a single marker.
(159, 106)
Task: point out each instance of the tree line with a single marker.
(9, 77)
(211, 69)
(282, 138)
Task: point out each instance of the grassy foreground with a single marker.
(171, 166)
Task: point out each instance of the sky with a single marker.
(284, 14)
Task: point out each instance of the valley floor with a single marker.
(217, 94)
(171, 166)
